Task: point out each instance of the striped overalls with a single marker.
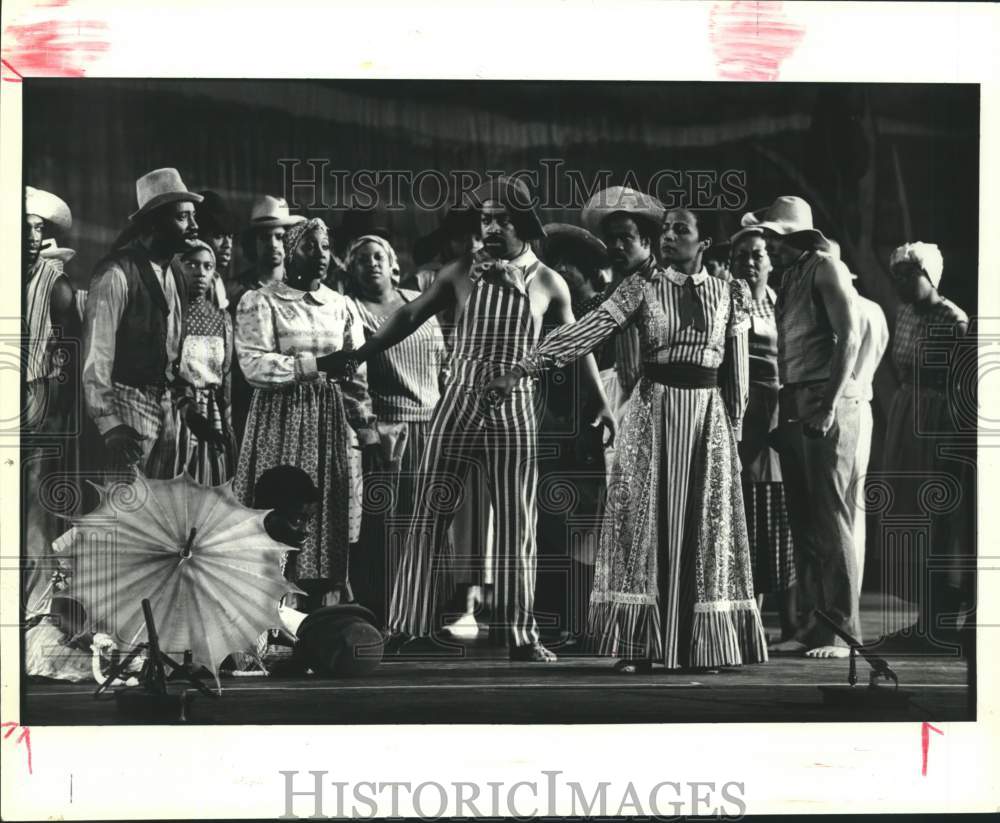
(494, 333)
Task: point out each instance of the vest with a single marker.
(141, 342)
(806, 339)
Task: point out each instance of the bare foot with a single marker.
(634, 667)
(828, 651)
(791, 646)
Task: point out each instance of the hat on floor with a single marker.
(340, 641)
(621, 199)
(513, 195)
(788, 216)
(47, 206)
(158, 188)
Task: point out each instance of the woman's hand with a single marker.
(605, 419)
(338, 365)
(500, 388)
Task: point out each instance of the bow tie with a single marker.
(692, 310)
(502, 272)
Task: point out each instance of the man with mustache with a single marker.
(132, 329)
(500, 305)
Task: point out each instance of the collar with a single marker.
(523, 261)
(281, 290)
(679, 278)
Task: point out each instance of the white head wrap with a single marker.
(926, 255)
(384, 244)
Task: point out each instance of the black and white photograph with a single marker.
(496, 403)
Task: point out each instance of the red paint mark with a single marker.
(23, 737)
(925, 742)
(752, 39)
(53, 48)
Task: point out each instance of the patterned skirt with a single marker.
(304, 425)
(673, 578)
(209, 465)
(932, 475)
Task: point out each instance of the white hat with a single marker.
(272, 212)
(786, 215)
(159, 187)
(51, 251)
(47, 206)
(621, 199)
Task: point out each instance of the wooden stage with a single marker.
(484, 687)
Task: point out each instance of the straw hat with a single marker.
(621, 199)
(566, 236)
(272, 212)
(47, 206)
(788, 216)
(51, 251)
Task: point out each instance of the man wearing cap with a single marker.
(49, 424)
(217, 227)
(132, 330)
(819, 423)
(500, 301)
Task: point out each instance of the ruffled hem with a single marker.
(627, 630)
(727, 636)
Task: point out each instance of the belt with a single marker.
(681, 375)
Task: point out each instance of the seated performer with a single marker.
(501, 304)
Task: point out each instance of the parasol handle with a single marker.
(189, 544)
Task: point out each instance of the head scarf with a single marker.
(218, 290)
(383, 244)
(926, 255)
(294, 234)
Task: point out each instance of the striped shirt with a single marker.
(403, 380)
(653, 303)
(38, 319)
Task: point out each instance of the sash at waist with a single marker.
(681, 375)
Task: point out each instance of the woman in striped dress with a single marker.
(206, 447)
(768, 528)
(404, 386)
(923, 441)
(673, 579)
(299, 417)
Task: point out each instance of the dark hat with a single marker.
(457, 221)
(213, 215)
(579, 243)
(514, 196)
(340, 641)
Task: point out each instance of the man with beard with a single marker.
(500, 304)
(132, 329)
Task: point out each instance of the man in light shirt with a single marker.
(874, 340)
(132, 329)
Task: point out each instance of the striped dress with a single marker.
(673, 578)
(768, 527)
(495, 330)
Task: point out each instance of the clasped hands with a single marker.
(500, 389)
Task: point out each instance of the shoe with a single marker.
(532, 653)
(644, 666)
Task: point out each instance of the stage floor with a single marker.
(483, 687)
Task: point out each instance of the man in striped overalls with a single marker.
(499, 308)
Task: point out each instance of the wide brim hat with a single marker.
(565, 235)
(270, 212)
(621, 199)
(51, 251)
(213, 215)
(340, 641)
(513, 195)
(161, 187)
(48, 206)
(788, 216)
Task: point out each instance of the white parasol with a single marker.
(204, 561)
